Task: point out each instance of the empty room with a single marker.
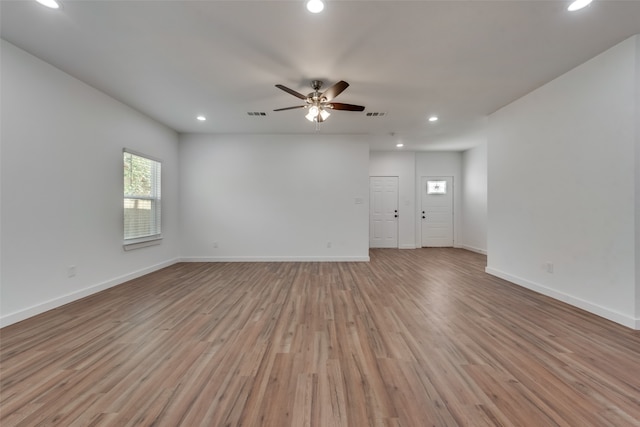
(320, 213)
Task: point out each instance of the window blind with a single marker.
(142, 197)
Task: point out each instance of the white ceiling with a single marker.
(461, 60)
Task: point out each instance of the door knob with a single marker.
(395, 216)
(424, 217)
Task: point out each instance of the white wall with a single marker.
(440, 163)
(473, 234)
(403, 165)
(62, 187)
(561, 186)
(274, 197)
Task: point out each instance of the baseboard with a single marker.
(596, 309)
(277, 259)
(473, 249)
(26, 313)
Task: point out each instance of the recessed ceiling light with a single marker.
(433, 118)
(578, 4)
(53, 4)
(201, 118)
(400, 145)
(315, 6)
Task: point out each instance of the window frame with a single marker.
(151, 239)
(434, 191)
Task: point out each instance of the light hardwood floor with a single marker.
(413, 338)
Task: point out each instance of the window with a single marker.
(142, 201)
(436, 187)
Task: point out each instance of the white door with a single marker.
(383, 212)
(437, 211)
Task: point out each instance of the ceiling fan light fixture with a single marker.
(315, 6)
(316, 113)
(578, 4)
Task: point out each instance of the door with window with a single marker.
(383, 212)
(437, 211)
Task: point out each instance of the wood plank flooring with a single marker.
(414, 338)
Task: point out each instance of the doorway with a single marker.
(437, 211)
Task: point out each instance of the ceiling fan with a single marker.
(318, 103)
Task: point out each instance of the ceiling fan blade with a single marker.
(292, 92)
(290, 108)
(335, 90)
(347, 107)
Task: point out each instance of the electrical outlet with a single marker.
(215, 244)
(71, 271)
(329, 245)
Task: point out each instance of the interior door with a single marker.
(383, 212)
(437, 211)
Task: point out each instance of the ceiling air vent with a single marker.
(376, 114)
(257, 113)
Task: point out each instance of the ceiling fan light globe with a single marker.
(310, 117)
(324, 114)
